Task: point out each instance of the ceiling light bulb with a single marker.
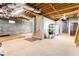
(11, 21)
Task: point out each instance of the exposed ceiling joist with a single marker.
(53, 8)
(36, 5)
(76, 6)
(68, 15)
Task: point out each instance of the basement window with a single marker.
(11, 21)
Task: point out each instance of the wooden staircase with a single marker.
(77, 36)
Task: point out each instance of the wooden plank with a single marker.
(64, 5)
(77, 36)
(47, 8)
(53, 8)
(76, 6)
(36, 5)
(69, 14)
(38, 32)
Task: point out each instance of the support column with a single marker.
(60, 26)
(34, 25)
(42, 27)
(37, 32)
(39, 24)
(69, 28)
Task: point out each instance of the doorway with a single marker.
(64, 26)
(73, 27)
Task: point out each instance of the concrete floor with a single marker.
(62, 45)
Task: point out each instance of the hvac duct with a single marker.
(16, 10)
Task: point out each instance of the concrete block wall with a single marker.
(16, 28)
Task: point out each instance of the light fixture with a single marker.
(37, 11)
(11, 21)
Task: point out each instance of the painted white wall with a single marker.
(73, 20)
(57, 29)
(59, 24)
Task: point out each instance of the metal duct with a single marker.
(15, 10)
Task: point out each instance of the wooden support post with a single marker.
(39, 27)
(37, 32)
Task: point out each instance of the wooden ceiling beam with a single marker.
(42, 5)
(53, 8)
(63, 6)
(50, 7)
(76, 6)
(47, 7)
(70, 14)
(56, 4)
(36, 5)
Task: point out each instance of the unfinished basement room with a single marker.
(39, 29)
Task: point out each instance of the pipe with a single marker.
(18, 10)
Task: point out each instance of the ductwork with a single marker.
(31, 9)
(21, 8)
(16, 10)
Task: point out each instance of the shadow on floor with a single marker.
(32, 39)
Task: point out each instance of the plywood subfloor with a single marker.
(60, 45)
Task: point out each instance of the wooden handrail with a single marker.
(77, 36)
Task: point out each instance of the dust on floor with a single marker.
(62, 45)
